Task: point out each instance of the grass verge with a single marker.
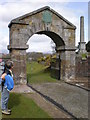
(38, 73)
(24, 107)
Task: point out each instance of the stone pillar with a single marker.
(17, 48)
(18, 56)
(69, 65)
(67, 56)
(82, 43)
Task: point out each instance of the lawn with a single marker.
(24, 107)
(38, 73)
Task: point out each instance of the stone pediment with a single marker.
(19, 20)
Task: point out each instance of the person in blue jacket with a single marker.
(7, 86)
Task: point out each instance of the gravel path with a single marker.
(72, 98)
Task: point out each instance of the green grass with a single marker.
(38, 73)
(24, 107)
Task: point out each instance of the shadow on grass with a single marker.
(47, 70)
(14, 100)
(30, 75)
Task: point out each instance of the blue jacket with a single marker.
(9, 83)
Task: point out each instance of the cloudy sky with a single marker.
(69, 9)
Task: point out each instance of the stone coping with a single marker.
(22, 89)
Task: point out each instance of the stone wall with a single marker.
(82, 67)
(88, 59)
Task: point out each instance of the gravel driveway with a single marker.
(72, 98)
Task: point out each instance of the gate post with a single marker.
(17, 48)
(69, 65)
(18, 56)
(67, 57)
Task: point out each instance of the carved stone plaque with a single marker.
(47, 17)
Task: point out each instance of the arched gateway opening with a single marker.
(43, 21)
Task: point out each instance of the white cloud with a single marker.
(3, 44)
(39, 38)
(41, 47)
(40, 43)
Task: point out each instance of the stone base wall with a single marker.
(88, 59)
(81, 68)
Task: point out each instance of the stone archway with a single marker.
(43, 21)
